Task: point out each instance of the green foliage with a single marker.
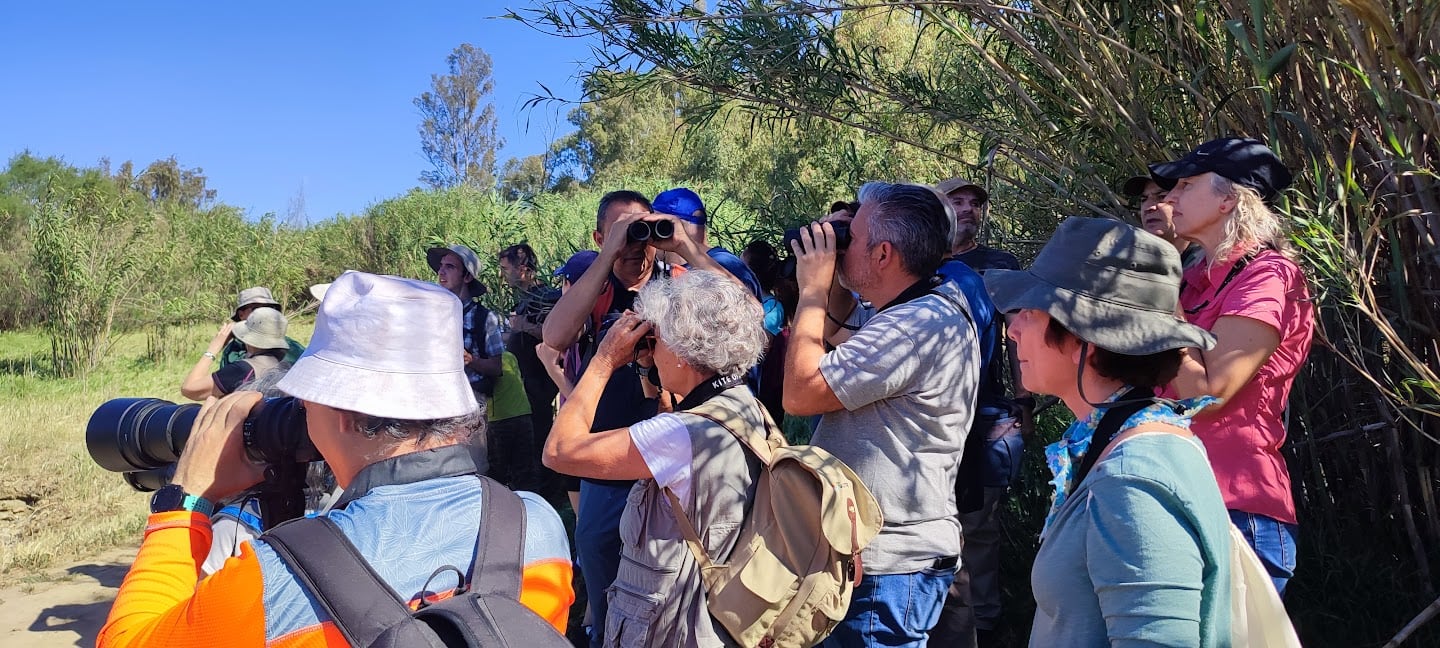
(457, 130)
(89, 253)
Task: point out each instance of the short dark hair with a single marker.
(763, 262)
(913, 219)
(521, 255)
(1149, 370)
(618, 196)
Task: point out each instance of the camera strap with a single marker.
(708, 390)
(448, 461)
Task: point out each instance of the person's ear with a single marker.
(1228, 203)
(883, 254)
(599, 238)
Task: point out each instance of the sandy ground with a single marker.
(69, 608)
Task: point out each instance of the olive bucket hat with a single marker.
(264, 329)
(1111, 284)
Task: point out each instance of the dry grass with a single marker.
(56, 505)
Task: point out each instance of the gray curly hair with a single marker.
(707, 320)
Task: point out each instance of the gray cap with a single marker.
(956, 184)
(1111, 284)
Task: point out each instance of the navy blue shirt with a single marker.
(984, 258)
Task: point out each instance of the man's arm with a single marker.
(566, 320)
(493, 346)
(160, 603)
(696, 256)
(806, 391)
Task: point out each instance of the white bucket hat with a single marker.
(264, 329)
(385, 346)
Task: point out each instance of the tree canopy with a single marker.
(458, 129)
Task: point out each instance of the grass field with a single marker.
(56, 505)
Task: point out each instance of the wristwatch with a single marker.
(174, 498)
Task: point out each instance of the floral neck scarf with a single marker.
(1065, 456)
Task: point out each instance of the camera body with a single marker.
(643, 230)
(142, 438)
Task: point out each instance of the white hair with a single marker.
(707, 320)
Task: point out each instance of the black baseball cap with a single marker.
(1135, 185)
(1242, 160)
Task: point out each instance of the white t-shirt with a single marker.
(664, 443)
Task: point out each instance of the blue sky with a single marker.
(273, 100)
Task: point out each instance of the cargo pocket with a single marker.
(630, 618)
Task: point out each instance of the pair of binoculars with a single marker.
(842, 236)
(646, 230)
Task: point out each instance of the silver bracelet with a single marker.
(209, 355)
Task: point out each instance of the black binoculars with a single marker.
(646, 230)
(842, 236)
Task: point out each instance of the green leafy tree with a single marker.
(458, 126)
(523, 178)
(165, 180)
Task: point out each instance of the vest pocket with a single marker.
(630, 617)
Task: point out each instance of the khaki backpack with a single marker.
(789, 579)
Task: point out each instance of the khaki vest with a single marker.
(657, 598)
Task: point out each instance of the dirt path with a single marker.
(68, 609)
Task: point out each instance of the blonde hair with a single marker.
(1251, 224)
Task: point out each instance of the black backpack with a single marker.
(369, 613)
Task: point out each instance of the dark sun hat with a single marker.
(1242, 160)
(1112, 285)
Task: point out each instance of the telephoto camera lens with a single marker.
(138, 434)
(275, 432)
(143, 437)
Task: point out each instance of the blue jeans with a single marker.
(597, 545)
(1273, 541)
(893, 610)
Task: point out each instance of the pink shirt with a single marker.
(1244, 436)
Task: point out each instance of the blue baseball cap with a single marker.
(576, 265)
(681, 203)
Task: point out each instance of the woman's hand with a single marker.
(618, 347)
(221, 337)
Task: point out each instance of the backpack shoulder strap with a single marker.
(759, 447)
(500, 545)
(1109, 426)
(602, 305)
(687, 528)
(329, 567)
